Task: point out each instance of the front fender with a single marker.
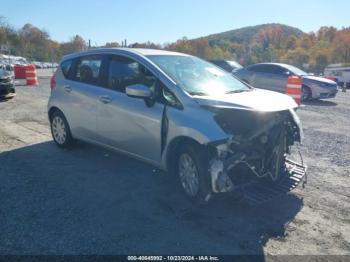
(192, 123)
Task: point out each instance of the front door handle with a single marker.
(105, 99)
(67, 88)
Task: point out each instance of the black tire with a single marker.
(200, 160)
(67, 140)
(306, 93)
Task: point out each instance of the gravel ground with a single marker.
(89, 200)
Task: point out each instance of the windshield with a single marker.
(197, 76)
(296, 70)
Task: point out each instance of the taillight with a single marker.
(53, 82)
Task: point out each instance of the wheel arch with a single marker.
(307, 87)
(52, 110)
(173, 149)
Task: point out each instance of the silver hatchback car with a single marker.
(175, 111)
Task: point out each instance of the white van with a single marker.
(339, 71)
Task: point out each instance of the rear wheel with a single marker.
(193, 175)
(60, 130)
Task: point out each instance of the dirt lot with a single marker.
(89, 200)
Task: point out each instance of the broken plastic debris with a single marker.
(219, 179)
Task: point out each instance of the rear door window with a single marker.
(263, 69)
(274, 69)
(256, 68)
(266, 69)
(88, 69)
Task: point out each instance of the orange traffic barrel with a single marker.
(294, 88)
(20, 71)
(31, 76)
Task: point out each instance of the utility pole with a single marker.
(89, 43)
(52, 54)
(9, 54)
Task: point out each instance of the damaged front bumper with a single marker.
(258, 192)
(293, 174)
(240, 161)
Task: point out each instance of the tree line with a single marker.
(268, 43)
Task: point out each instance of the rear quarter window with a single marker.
(66, 68)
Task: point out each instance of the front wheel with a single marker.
(193, 175)
(305, 93)
(60, 130)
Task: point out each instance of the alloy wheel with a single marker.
(59, 130)
(188, 175)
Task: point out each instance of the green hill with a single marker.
(252, 44)
(250, 33)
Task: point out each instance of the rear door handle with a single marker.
(105, 99)
(67, 88)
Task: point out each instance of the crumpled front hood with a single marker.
(319, 79)
(257, 100)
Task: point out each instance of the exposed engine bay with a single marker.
(257, 146)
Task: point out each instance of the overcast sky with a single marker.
(162, 21)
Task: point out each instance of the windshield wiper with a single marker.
(197, 94)
(236, 91)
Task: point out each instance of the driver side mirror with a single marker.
(138, 91)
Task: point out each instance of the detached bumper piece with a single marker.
(260, 191)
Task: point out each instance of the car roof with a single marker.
(137, 51)
(222, 60)
(277, 64)
(347, 65)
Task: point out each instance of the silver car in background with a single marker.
(176, 112)
(274, 76)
